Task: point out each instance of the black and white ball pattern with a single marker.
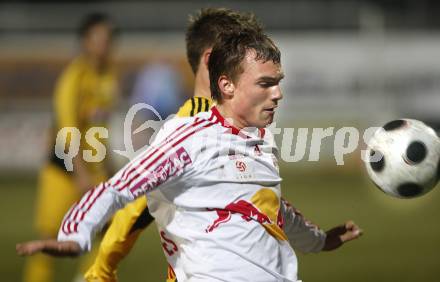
(404, 158)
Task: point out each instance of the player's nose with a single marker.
(277, 94)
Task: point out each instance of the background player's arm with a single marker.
(308, 237)
(66, 107)
(66, 99)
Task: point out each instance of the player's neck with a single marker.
(228, 114)
(201, 86)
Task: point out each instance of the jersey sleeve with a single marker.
(163, 164)
(302, 234)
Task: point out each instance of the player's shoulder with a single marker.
(185, 123)
(77, 64)
(195, 105)
(184, 130)
(75, 69)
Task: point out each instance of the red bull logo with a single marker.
(264, 207)
(247, 210)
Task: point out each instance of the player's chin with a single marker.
(268, 117)
(263, 122)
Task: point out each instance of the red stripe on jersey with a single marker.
(234, 130)
(93, 202)
(66, 221)
(173, 135)
(71, 219)
(63, 225)
(156, 149)
(76, 214)
(75, 229)
(103, 186)
(68, 227)
(128, 170)
(124, 174)
(85, 202)
(224, 122)
(163, 153)
(88, 197)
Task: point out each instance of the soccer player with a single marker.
(212, 182)
(128, 223)
(84, 97)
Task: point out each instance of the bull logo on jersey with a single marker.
(264, 207)
(247, 210)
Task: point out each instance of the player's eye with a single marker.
(266, 84)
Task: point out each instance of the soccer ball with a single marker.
(404, 158)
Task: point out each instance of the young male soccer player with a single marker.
(84, 97)
(212, 181)
(129, 222)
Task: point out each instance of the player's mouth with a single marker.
(270, 110)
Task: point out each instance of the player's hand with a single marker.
(339, 235)
(51, 247)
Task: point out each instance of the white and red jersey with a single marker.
(215, 195)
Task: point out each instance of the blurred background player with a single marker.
(84, 97)
(201, 35)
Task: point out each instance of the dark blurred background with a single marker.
(347, 63)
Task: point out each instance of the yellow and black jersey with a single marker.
(84, 98)
(194, 105)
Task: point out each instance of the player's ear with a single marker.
(206, 55)
(226, 86)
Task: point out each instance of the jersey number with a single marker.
(168, 245)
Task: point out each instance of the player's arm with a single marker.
(51, 247)
(308, 237)
(66, 108)
(142, 175)
(302, 234)
(80, 224)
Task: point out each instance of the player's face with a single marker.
(97, 42)
(256, 92)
